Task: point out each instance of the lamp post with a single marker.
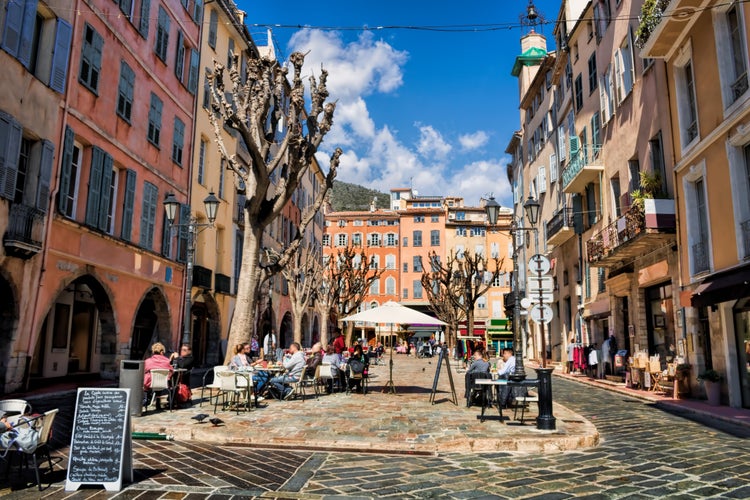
(171, 206)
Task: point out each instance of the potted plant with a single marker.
(711, 380)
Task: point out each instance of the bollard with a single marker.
(545, 420)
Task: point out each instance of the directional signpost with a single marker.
(540, 288)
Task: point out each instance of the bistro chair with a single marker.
(522, 401)
(160, 385)
(476, 393)
(214, 384)
(229, 392)
(44, 424)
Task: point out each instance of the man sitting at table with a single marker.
(509, 366)
(294, 364)
(316, 357)
(479, 369)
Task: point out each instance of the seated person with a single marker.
(479, 368)
(157, 361)
(183, 360)
(355, 382)
(335, 360)
(509, 366)
(241, 358)
(294, 364)
(260, 378)
(316, 357)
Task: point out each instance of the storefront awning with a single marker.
(722, 287)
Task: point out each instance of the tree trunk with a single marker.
(324, 329)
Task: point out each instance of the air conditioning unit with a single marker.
(451, 216)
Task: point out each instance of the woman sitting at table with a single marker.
(335, 360)
(241, 358)
(355, 379)
(157, 361)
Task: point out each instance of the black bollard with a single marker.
(545, 421)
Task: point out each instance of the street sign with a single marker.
(535, 283)
(526, 302)
(538, 263)
(534, 298)
(541, 314)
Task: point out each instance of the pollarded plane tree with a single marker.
(253, 108)
(455, 287)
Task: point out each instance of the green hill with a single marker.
(351, 197)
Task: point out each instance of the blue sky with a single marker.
(429, 109)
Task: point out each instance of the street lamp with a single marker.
(171, 206)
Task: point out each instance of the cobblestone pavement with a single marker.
(644, 452)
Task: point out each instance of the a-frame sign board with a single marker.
(101, 450)
(442, 355)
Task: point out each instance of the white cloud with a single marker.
(431, 143)
(478, 179)
(473, 141)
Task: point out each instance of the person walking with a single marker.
(269, 346)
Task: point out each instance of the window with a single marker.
(435, 237)
(482, 302)
(615, 184)
(148, 215)
(593, 76)
(405, 293)
(230, 53)
(178, 141)
(596, 133)
(419, 218)
(601, 18)
(98, 202)
(417, 238)
(375, 262)
(391, 239)
(374, 240)
(326, 240)
(70, 170)
(390, 261)
(154, 120)
(375, 287)
(179, 57)
(606, 93)
(479, 250)
(202, 162)
(460, 231)
(417, 286)
(579, 93)
(125, 92)
(635, 175)
(495, 250)
(192, 84)
(460, 215)
(128, 205)
(405, 241)
(698, 229)
(213, 25)
(739, 179)
(357, 239)
(417, 264)
(591, 209)
(162, 35)
(222, 170)
(206, 93)
(91, 58)
(434, 218)
(341, 240)
(731, 50)
(406, 267)
(624, 68)
(657, 161)
(143, 17)
(390, 286)
(687, 112)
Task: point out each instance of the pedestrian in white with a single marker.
(269, 346)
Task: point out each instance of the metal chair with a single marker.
(160, 384)
(473, 390)
(214, 384)
(227, 388)
(44, 424)
(522, 401)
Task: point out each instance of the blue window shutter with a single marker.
(145, 12)
(183, 235)
(10, 149)
(179, 63)
(148, 215)
(13, 26)
(193, 75)
(95, 187)
(67, 161)
(198, 11)
(128, 204)
(213, 24)
(104, 200)
(166, 237)
(60, 57)
(45, 174)
(27, 33)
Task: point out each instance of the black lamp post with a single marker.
(171, 207)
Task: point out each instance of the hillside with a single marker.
(352, 197)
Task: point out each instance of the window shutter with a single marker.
(179, 63)
(198, 11)
(552, 168)
(184, 233)
(60, 57)
(95, 186)
(166, 237)
(577, 214)
(148, 215)
(562, 145)
(13, 26)
(67, 160)
(145, 13)
(212, 27)
(105, 202)
(45, 174)
(10, 149)
(542, 180)
(26, 40)
(193, 75)
(128, 204)
(575, 145)
(603, 98)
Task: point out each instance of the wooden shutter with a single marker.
(95, 187)
(577, 214)
(148, 215)
(541, 184)
(65, 164)
(179, 62)
(193, 74)
(59, 71)
(198, 11)
(184, 233)
(10, 149)
(562, 145)
(166, 237)
(553, 168)
(145, 13)
(45, 175)
(104, 197)
(13, 26)
(128, 204)
(26, 40)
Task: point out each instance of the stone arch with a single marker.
(286, 331)
(151, 323)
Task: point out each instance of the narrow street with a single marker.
(644, 453)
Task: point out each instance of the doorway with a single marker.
(659, 322)
(742, 333)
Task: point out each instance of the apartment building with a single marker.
(704, 52)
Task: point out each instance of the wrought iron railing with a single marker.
(578, 161)
(562, 218)
(202, 277)
(739, 87)
(25, 226)
(700, 256)
(616, 233)
(222, 283)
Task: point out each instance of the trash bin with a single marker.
(131, 377)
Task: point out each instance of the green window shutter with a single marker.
(193, 75)
(184, 234)
(148, 215)
(10, 149)
(95, 187)
(179, 63)
(128, 204)
(45, 175)
(198, 11)
(59, 72)
(26, 41)
(105, 201)
(13, 26)
(67, 161)
(145, 13)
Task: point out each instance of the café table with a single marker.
(487, 400)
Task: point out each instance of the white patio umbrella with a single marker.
(393, 313)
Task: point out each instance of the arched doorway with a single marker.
(151, 324)
(8, 317)
(78, 335)
(286, 332)
(206, 330)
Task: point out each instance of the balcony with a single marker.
(202, 277)
(560, 227)
(636, 233)
(223, 284)
(25, 232)
(584, 167)
(670, 21)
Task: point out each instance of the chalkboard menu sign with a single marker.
(100, 448)
(443, 355)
